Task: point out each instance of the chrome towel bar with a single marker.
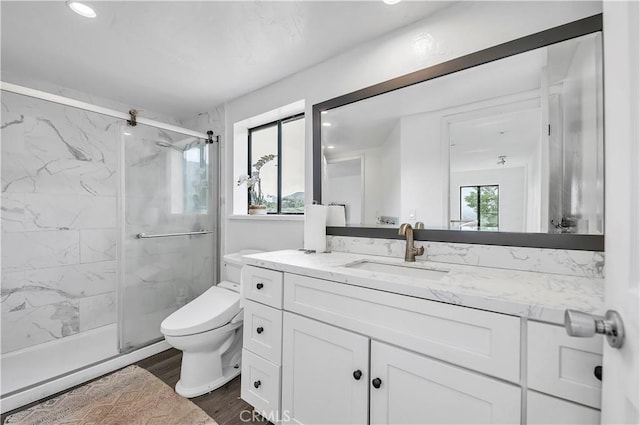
(165, 235)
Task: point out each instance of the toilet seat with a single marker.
(213, 309)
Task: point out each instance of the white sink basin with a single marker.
(408, 270)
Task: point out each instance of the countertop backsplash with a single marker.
(558, 261)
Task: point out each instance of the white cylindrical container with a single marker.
(315, 228)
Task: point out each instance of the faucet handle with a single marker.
(419, 250)
(419, 225)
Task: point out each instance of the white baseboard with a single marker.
(37, 392)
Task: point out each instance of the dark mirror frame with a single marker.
(533, 240)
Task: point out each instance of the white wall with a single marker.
(460, 29)
(344, 186)
(512, 193)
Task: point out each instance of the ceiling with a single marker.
(184, 57)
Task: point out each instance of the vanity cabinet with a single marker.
(318, 351)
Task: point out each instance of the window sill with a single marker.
(268, 217)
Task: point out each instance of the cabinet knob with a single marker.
(376, 383)
(260, 285)
(257, 384)
(357, 375)
(260, 330)
(598, 372)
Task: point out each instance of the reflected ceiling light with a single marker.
(81, 9)
(126, 133)
(326, 124)
(391, 1)
(331, 147)
(324, 112)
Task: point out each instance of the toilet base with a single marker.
(228, 373)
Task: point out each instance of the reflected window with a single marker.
(479, 207)
(276, 162)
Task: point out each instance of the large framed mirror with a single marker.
(503, 146)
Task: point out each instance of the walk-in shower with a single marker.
(107, 228)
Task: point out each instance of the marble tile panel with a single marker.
(97, 311)
(15, 217)
(27, 327)
(98, 245)
(558, 261)
(41, 287)
(33, 250)
(50, 148)
(70, 211)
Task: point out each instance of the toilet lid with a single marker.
(213, 309)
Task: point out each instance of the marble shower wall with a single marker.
(558, 261)
(59, 227)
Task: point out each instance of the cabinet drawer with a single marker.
(260, 385)
(563, 366)
(262, 285)
(479, 340)
(262, 333)
(544, 409)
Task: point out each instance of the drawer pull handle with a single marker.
(257, 384)
(598, 373)
(376, 383)
(260, 285)
(260, 330)
(357, 375)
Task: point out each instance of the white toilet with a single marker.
(208, 330)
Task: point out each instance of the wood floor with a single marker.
(224, 405)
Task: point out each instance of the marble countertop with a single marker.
(537, 296)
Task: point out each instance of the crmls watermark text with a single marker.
(255, 416)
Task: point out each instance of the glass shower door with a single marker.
(166, 190)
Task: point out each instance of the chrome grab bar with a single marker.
(164, 235)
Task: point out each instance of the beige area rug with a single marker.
(131, 396)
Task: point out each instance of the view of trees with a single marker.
(483, 201)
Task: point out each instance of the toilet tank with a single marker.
(232, 264)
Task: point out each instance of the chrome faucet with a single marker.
(411, 251)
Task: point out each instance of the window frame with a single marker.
(477, 188)
(277, 123)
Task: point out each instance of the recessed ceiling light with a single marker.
(326, 124)
(81, 9)
(324, 112)
(126, 133)
(391, 1)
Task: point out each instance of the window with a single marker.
(276, 153)
(189, 177)
(479, 206)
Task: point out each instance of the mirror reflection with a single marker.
(514, 145)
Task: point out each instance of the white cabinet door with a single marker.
(324, 373)
(544, 409)
(414, 389)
